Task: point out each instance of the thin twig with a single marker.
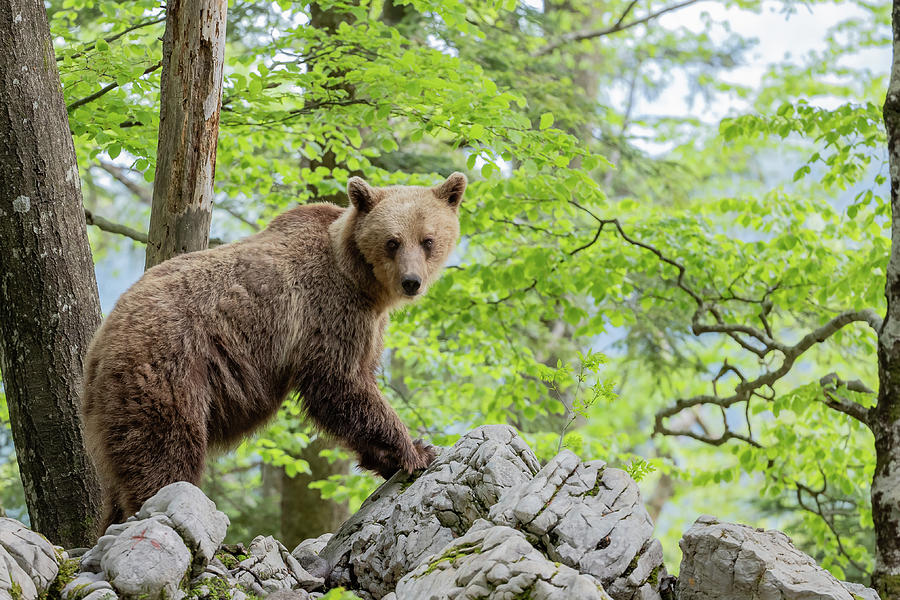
(112, 38)
(614, 28)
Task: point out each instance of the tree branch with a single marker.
(831, 383)
(112, 38)
(119, 229)
(110, 227)
(106, 89)
(614, 28)
(118, 173)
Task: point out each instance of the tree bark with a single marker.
(304, 513)
(885, 417)
(49, 307)
(190, 102)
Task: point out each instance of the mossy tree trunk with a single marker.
(885, 417)
(304, 513)
(49, 306)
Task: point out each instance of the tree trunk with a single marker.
(49, 307)
(190, 102)
(885, 418)
(304, 513)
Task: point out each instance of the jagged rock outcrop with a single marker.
(171, 538)
(492, 561)
(28, 562)
(590, 517)
(408, 519)
(307, 551)
(725, 560)
(484, 522)
(270, 568)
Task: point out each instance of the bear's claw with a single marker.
(424, 455)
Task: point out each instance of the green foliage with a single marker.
(68, 569)
(339, 594)
(776, 215)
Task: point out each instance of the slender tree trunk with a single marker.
(49, 307)
(304, 513)
(191, 99)
(885, 418)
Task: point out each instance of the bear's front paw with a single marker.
(424, 454)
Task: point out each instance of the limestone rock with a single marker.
(492, 563)
(28, 561)
(173, 535)
(271, 568)
(193, 516)
(404, 521)
(307, 551)
(591, 518)
(726, 560)
(147, 561)
(89, 586)
(289, 595)
(860, 592)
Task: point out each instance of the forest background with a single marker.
(664, 199)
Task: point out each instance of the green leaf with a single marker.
(546, 120)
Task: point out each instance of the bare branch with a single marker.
(831, 383)
(614, 28)
(110, 227)
(234, 213)
(119, 229)
(118, 173)
(746, 389)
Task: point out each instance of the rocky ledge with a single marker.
(484, 521)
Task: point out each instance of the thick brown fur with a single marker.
(206, 346)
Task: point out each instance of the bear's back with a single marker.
(222, 315)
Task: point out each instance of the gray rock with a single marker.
(404, 521)
(14, 578)
(726, 560)
(28, 561)
(307, 551)
(192, 515)
(493, 563)
(148, 560)
(591, 518)
(175, 534)
(90, 560)
(88, 585)
(289, 595)
(271, 568)
(860, 592)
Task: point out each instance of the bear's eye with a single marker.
(428, 243)
(392, 245)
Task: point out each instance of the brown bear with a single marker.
(206, 346)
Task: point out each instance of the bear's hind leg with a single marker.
(112, 512)
(165, 443)
(182, 459)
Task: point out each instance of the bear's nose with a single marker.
(411, 284)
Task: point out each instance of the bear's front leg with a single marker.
(356, 413)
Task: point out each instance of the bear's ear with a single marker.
(452, 189)
(362, 195)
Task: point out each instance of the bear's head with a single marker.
(406, 233)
